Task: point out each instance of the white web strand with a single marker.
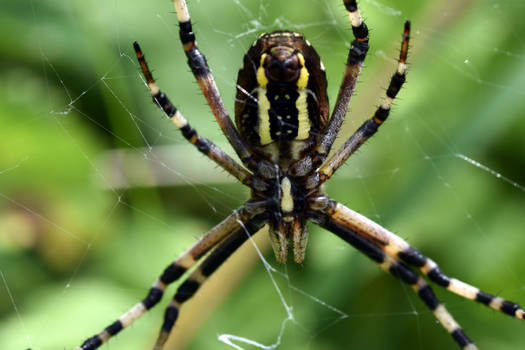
(229, 339)
(43, 218)
(490, 171)
(14, 167)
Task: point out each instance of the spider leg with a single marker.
(204, 145)
(398, 270)
(397, 248)
(369, 127)
(190, 286)
(356, 56)
(173, 272)
(206, 82)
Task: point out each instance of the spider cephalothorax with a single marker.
(283, 138)
(286, 205)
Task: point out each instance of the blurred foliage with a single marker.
(74, 254)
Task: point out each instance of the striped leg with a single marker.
(174, 271)
(401, 271)
(201, 274)
(356, 56)
(397, 248)
(369, 127)
(201, 71)
(205, 146)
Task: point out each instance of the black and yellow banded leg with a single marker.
(369, 127)
(401, 271)
(173, 272)
(414, 258)
(210, 264)
(354, 63)
(201, 71)
(205, 146)
(397, 248)
(425, 292)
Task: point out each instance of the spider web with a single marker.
(98, 192)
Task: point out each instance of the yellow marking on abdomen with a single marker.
(303, 120)
(302, 82)
(262, 80)
(264, 117)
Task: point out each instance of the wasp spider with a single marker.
(283, 134)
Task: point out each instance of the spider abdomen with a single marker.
(281, 105)
(281, 113)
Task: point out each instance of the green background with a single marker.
(84, 234)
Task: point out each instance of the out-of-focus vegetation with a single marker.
(76, 250)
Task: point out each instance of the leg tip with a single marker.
(136, 47)
(91, 343)
(350, 5)
(406, 31)
(520, 314)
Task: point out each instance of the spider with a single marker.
(283, 134)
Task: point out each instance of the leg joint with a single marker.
(170, 316)
(114, 328)
(439, 277)
(358, 52)
(186, 33)
(172, 273)
(460, 337)
(92, 343)
(427, 295)
(154, 296)
(404, 273)
(197, 63)
(412, 256)
(186, 290)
